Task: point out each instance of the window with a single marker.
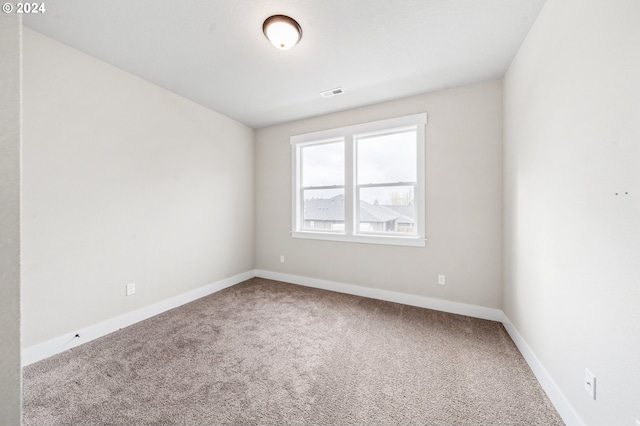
(361, 183)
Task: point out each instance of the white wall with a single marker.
(572, 247)
(464, 203)
(123, 182)
(10, 377)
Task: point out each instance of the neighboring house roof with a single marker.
(406, 212)
(376, 213)
(332, 210)
(328, 209)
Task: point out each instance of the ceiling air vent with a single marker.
(332, 92)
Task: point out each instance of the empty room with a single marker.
(421, 212)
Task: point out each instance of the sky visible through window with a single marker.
(381, 159)
(323, 165)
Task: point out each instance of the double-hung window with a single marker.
(361, 183)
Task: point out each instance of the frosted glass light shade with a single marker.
(282, 31)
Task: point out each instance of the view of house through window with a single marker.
(362, 182)
(323, 185)
(386, 168)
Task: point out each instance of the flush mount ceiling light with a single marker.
(283, 32)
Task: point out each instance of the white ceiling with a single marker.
(214, 53)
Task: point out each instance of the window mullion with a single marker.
(419, 188)
(349, 185)
(384, 185)
(296, 195)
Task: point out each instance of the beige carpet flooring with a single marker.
(269, 353)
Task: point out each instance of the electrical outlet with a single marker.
(441, 280)
(590, 383)
(281, 259)
(131, 289)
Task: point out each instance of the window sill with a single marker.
(366, 239)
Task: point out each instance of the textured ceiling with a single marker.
(214, 53)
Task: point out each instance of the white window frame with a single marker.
(300, 189)
(351, 193)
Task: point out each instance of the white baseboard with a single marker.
(550, 387)
(556, 396)
(46, 349)
(59, 344)
(390, 296)
(62, 343)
